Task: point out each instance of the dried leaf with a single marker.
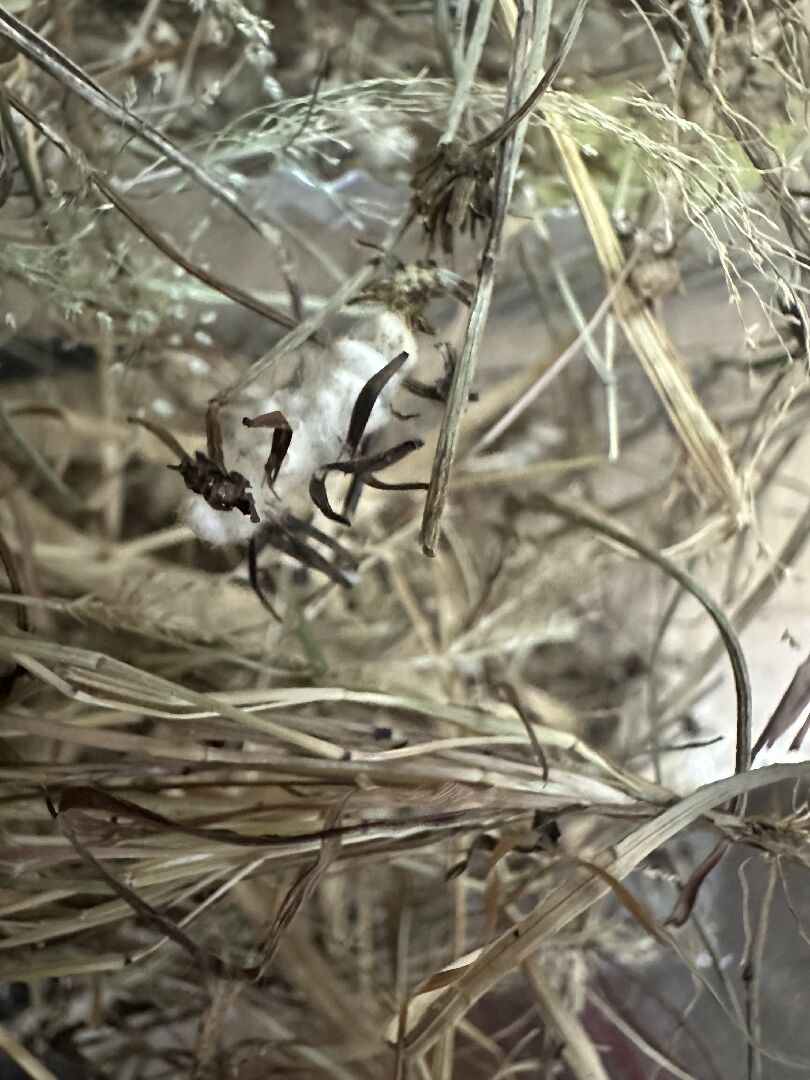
(649, 339)
(510, 694)
(282, 437)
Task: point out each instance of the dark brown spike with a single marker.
(319, 496)
(282, 437)
(367, 398)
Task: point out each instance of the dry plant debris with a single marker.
(382, 741)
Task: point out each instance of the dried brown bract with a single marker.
(282, 437)
(408, 289)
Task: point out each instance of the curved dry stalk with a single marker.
(739, 667)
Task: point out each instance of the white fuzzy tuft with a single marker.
(318, 410)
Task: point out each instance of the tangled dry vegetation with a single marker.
(401, 769)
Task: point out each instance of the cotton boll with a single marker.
(319, 410)
(214, 526)
(390, 335)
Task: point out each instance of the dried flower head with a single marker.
(453, 190)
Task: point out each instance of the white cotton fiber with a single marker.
(318, 408)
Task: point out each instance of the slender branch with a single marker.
(508, 160)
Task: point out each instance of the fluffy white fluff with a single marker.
(318, 408)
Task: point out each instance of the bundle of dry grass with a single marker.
(478, 353)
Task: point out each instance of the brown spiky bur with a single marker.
(453, 191)
(409, 288)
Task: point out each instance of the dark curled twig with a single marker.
(292, 537)
(682, 908)
(207, 475)
(438, 390)
(254, 546)
(360, 468)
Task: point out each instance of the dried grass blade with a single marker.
(550, 74)
(148, 230)
(304, 885)
(17, 1053)
(37, 462)
(706, 448)
(207, 961)
(9, 678)
(84, 797)
(578, 1050)
(579, 892)
(509, 152)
